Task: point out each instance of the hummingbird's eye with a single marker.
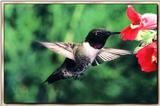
(108, 33)
(99, 34)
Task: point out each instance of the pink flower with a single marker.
(138, 22)
(147, 57)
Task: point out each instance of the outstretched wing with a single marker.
(65, 49)
(108, 54)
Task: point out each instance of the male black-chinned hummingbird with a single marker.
(81, 55)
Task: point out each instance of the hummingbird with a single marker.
(79, 56)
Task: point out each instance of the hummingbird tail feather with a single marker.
(55, 77)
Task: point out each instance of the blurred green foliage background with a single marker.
(27, 64)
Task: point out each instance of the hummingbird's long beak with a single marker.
(114, 33)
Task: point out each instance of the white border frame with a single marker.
(3, 2)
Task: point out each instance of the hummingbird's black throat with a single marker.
(98, 37)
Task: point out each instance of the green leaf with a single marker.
(146, 36)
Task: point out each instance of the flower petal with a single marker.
(145, 57)
(133, 16)
(149, 21)
(129, 34)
